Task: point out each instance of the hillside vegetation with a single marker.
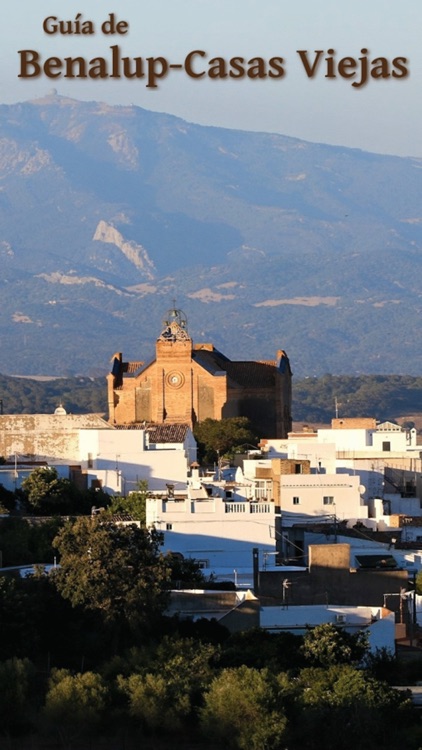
(78, 395)
(108, 213)
(379, 396)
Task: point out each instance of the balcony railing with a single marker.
(248, 507)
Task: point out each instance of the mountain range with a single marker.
(110, 215)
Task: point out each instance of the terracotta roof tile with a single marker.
(159, 433)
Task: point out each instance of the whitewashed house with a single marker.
(218, 531)
(89, 448)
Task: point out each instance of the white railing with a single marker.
(261, 507)
(248, 507)
(236, 507)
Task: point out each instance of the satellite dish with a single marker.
(362, 489)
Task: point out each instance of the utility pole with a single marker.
(336, 406)
(286, 585)
(255, 565)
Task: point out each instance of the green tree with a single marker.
(15, 544)
(113, 569)
(23, 542)
(369, 712)
(243, 709)
(7, 499)
(219, 437)
(164, 695)
(419, 583)
(74, 704)
(326, 645)
(16, 685)
(18, 629)
(133, 504)
(184, 571)
(258, 648)
(46, 492)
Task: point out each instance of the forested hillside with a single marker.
(314, 399)
(380, 396)
(27, 396)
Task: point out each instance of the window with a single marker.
(169, 526)
(262, 489)
(328, 500)
(298, 468)
(296, 501)
(386, 446)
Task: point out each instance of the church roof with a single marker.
(252, 374)
(243, 374)
(211, 360)
(167, 433)
(132, 368)
(159, 433)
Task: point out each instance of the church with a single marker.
(187, 383)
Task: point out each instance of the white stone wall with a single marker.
(347, 440)
(220, 533)
(303, 495)
(120, 460)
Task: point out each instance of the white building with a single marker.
(307, 496)
(378, 622)
(320, 497)
(348, 439)
(120, 457)
(88, 447)
(218, 532)
(385, 456)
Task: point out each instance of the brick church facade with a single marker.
(187, 383)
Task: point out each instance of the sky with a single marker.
(383, 116)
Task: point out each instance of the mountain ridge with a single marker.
(109, 213)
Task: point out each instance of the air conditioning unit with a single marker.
(340, 619)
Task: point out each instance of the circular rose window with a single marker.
(175, 379)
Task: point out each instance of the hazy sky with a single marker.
(383, 116)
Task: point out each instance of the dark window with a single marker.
(386, 446)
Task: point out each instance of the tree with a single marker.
(164, 696)
(133, 504)
(243, 709)
(113, 569)
(23, 543)
(326, 645)
(419, 582)
(7, 499)
(46, 492)
(369, 712)
(258, 648)
(217, 437)
(185, 572)
(16, 683)
(74, 704)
